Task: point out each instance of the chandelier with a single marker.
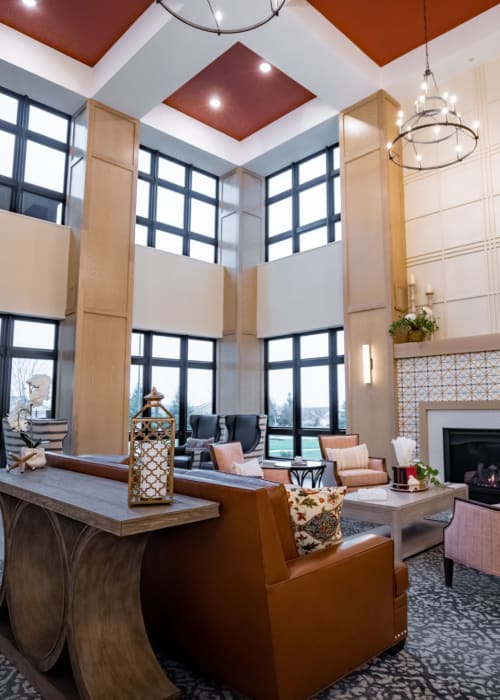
(211, 18)
(434, 136)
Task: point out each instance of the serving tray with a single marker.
(422, 486)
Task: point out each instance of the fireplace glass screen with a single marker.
(472, 456)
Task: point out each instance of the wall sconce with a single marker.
(367, 363)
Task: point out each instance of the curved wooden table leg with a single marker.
(109, 648)
(8, 506)
(37, 584)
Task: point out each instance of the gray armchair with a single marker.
(250, 431)
(194, 453)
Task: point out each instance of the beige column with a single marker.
(240, 367)
(95, 337)
(374, 265)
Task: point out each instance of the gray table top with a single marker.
(101, 503)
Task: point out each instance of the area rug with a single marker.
(452, 651)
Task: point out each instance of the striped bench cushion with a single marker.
(51, 431)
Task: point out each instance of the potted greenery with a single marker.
(426, 473)
(414, 326)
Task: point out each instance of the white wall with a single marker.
(33, 266)
(300, 293)
(177, 294)
(453, 218)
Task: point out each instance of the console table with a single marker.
(72, 576)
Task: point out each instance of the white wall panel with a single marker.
(466, 276)
(422, 196)
(33, 266)
(492, 71)
(300, 293)
(177, 294)
(463, 225)
(461, 183)
(423, 235)
(494, 122)
(468, 317)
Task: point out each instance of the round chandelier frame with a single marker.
(434, 136)
(275, 6)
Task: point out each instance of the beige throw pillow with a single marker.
(248, 468)
(349, 457)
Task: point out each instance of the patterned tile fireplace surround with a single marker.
(446, 383)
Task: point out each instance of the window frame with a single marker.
(332, 361)
(151, 222)
(23, 135)
(147, 361)
(8, 352)
(294, 192)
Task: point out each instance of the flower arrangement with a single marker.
(20, 418)
(415, 325)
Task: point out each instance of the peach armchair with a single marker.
(374, 474)
(225, 454)
(472, 538)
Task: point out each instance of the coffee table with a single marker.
(404, 513)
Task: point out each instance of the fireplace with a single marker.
(472, 456)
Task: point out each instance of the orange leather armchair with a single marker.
(375, 474)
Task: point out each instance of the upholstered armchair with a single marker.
(351, 469)
(472, 538)
(250, 431)
(194, 453)
(225, 455)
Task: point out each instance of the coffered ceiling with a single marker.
(323, 54)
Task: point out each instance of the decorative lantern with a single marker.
(151, 461)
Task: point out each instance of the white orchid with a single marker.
(411, 317)
(20, 417)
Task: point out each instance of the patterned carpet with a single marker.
(452, 651)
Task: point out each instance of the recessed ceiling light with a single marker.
(214, 102)
(265, 67)
(30, 3)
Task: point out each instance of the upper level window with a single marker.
(34, 146)
(303, 206)
(176, 207)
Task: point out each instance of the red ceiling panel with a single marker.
(82, 29)
(387, 29)
(250, 99)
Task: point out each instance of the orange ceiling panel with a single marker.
(81, 29)
(249, 99)
(386, 29)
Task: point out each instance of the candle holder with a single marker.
(411, 297)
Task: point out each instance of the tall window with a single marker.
(27, 347)
(303, 205)
(181, 368)
(34, 146)
(176, 207)
(305, 392)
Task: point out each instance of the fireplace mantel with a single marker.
(448, 346)
(461, 406)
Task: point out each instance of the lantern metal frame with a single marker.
(151, 459)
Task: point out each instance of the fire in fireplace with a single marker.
(472, 456)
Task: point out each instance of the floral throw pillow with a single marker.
(315, 516)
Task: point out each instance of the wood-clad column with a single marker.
(240, 375)
(95, 339)
(374, 265)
